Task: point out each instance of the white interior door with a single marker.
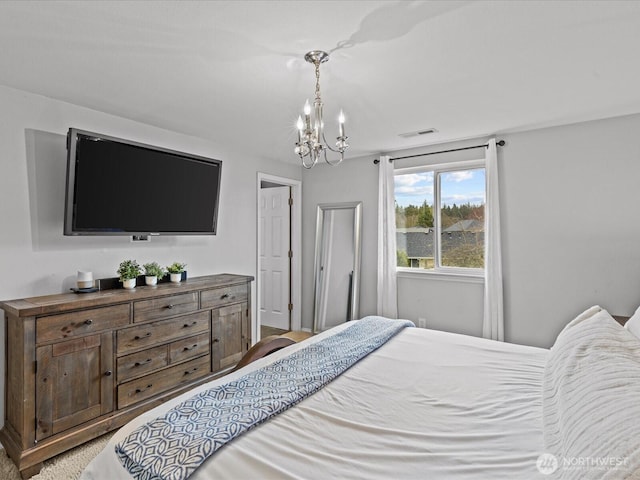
(275, 224)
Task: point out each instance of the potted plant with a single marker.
(128, 272)
(152, 273)
(175, 271)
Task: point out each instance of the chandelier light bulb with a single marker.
(299, 126)
(307, 107)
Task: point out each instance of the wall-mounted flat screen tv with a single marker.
(121, 187)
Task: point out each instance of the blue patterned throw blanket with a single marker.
(173, 446)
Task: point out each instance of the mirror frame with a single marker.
(357, 247)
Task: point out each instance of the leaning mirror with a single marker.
(337, 264)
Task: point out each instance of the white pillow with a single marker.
(633, 324)
(587, 314)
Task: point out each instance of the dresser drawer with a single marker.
(145, 310)
(75, 324)
(167, 379)
(189, 348)
(142, 336)
(223, 296)
(136, 364)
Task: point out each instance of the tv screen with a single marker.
(120, 187)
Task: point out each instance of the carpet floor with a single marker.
(66, 466)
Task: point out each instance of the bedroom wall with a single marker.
(350, 181)
(569, 231)
(37, 259)
(356, 179)
(570, 224)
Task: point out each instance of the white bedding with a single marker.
(427, 404)
(591, 390)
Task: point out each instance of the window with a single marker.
(440, 217)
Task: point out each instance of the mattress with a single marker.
(427, 404)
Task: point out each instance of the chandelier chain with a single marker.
(317, 63)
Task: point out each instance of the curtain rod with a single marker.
(500, 143)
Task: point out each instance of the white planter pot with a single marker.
(176, 277)
(130, 283)
(151, 280)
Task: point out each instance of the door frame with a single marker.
(296, 248)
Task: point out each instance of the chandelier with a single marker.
(312, 144)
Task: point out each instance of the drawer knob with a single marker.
(137, 364)
(170, 306)
(186, 349)
(138, 337)
(216, 340)
(188, 372)
(226, 295)
(107, 373)
(88, 321)
(140, 390)
(187, 325)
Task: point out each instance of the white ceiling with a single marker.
(233, 71)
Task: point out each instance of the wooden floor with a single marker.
(266, 331)
(296, 336)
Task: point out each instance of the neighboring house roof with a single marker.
(418, 241)
(466, 226)
(414, 230)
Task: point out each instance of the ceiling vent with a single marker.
(426, 131)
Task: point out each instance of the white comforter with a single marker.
(427, 405)
(591, 400)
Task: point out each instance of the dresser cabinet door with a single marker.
(231, 335)
(74, 383)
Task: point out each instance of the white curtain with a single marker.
(387, 260)
(493, 324)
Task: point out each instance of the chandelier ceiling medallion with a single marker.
(312, 144)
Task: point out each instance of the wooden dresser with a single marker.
(80, 365)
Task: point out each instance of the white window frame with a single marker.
(473, 275)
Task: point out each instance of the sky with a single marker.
(459, 187)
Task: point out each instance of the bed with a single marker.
(426, 404)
